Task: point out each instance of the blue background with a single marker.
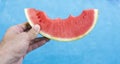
(100, 46)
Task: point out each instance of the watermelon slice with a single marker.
(68, 29)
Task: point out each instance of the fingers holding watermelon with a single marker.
(33, 32)
(19, 40)
(37, 42)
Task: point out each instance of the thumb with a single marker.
(33, 32)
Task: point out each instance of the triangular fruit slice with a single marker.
(68, 29)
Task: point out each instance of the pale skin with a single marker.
(18, 41)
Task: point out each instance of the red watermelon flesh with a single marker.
(67, 29)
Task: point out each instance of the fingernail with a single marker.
(37, 28)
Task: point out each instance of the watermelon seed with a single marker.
(40, 20)
(38, 16)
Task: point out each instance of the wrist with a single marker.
(5, 56)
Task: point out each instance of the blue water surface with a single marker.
(100, 46)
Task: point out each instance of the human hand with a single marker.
(18, 41)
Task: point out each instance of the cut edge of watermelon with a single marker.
(64, 39)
